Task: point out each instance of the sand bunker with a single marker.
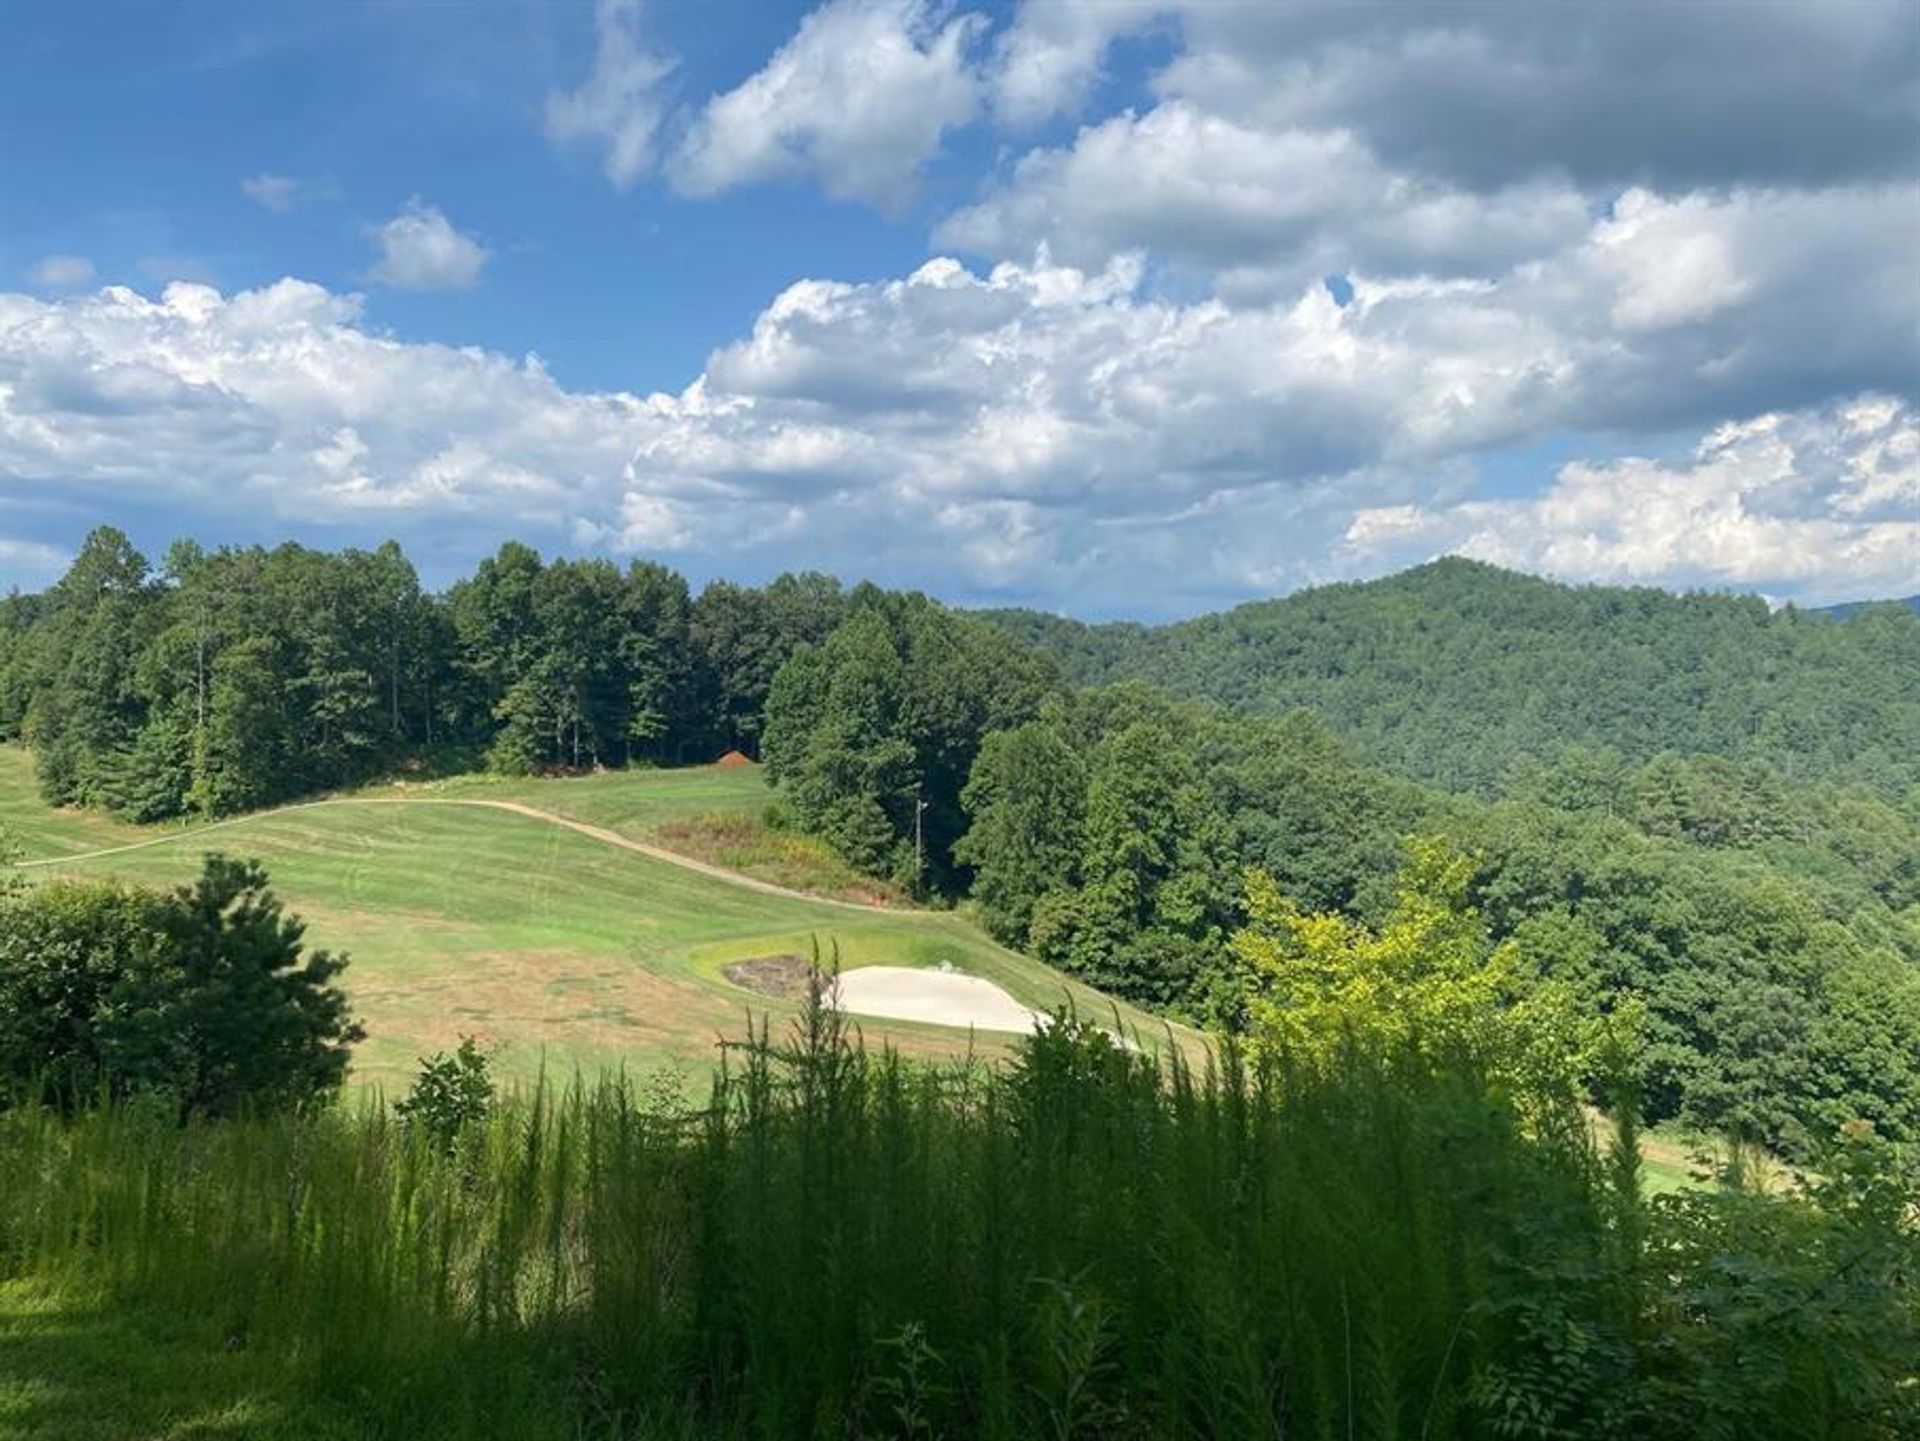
(944, 998)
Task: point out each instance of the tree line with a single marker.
(230, 679)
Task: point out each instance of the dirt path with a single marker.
(518, 808)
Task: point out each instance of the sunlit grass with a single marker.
(552, 947)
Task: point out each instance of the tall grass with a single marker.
(1089, 1242)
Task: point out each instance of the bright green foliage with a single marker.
(202, 994)
(1428, 982)
(452, 1094)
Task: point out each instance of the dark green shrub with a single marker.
(452, 1094)
(205, 993)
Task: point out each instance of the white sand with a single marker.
(945, 998)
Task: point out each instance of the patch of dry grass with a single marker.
(744, 842)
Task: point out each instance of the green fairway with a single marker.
(635, 802)
(714, 813)
(553, 947)
(37, 829)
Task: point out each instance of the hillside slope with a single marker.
(557, 932)
(1455, 671)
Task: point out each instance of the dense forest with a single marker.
(1686, 810)
(1455, 671)
(235, 678)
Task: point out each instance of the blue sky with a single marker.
(137, 164)
(1016, 303)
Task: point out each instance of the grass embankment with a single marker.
(557, 949)
(715, 814)
(1074, 1246)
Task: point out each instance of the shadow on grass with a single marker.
(72, 1370)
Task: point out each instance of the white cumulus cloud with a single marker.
(857, 100)
(1047, 61)
(420, 250)
(1259, 210)
(1826, 502)
(1055, 433)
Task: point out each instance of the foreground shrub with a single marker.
(451, 1095)
(205, 994)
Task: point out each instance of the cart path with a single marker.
(518, 808)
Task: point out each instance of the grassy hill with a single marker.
(553, 947)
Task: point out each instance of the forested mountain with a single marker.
(1846, 610)
(1683, 805)
(1457, 671)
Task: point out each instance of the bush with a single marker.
(70, 954)
(452, 1094)
(205, 993)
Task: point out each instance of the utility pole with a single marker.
(919, 866)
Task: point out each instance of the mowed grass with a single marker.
(712, 813)
(639, 803)
(557, 950)
(39, 830)
(76, 1367)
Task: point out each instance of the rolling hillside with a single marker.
(1454, 671)
(553, 945)
(1847, 610)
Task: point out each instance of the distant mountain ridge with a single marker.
(1846, 610)
(1453, 671)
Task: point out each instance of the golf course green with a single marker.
(532, 915)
